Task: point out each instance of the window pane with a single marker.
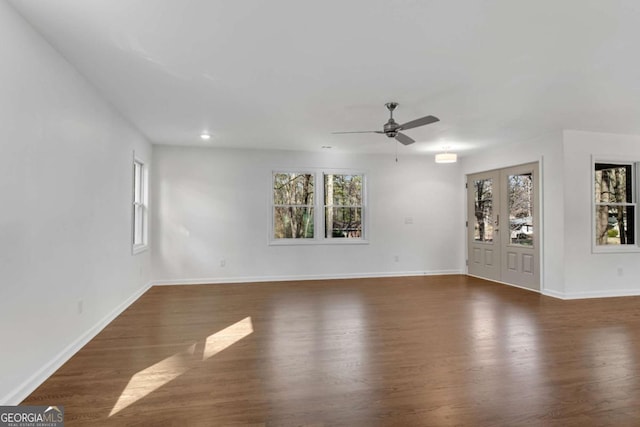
(520, 188)
(343, 190)
(343, 222)
(293, 222)
(483, 223)
(613, 183)
(615, 225)
(137, 182)
(138, 219)
(292, 189)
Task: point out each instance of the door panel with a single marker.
(520, 230)
(483, 237)
(507, 252)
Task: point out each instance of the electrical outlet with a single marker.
(620, 271)
(223, 262)
(396, 258)
(80, 306)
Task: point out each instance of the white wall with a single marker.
(213, 204)
(65, 222)
(548, 151)
(594, 274)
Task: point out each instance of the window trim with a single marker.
(318, 208)
(604, 249)
(143, 203)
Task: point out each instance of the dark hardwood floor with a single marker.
(413, 351)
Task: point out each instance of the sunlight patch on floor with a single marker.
(227, 337)
(152, 378)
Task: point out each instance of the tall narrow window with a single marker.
(343, 206)
(293, 199)
(615, 204)
(140, 213)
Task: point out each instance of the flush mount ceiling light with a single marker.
(205, 136)
(446, 157)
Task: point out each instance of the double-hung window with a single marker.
(293, 205)
(140, 209)
(615, 199)
(343, 206)
(300, 215)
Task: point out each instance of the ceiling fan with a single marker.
(392, 128)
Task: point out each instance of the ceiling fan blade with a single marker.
(357, 131)
(404, 139)
(427, 120)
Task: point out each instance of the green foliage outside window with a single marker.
(293, 205)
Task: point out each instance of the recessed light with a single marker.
(205, 136)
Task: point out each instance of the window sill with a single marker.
(138, 249)
(626, 249)
(313, 242)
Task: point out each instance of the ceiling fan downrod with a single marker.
(390, 128)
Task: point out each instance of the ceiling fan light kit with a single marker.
(392, 128)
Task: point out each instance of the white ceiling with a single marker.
(283, 74)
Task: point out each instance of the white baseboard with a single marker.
(28, 386)
(609, 293)
(553, 294)
(576, 295)
(254, 279)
